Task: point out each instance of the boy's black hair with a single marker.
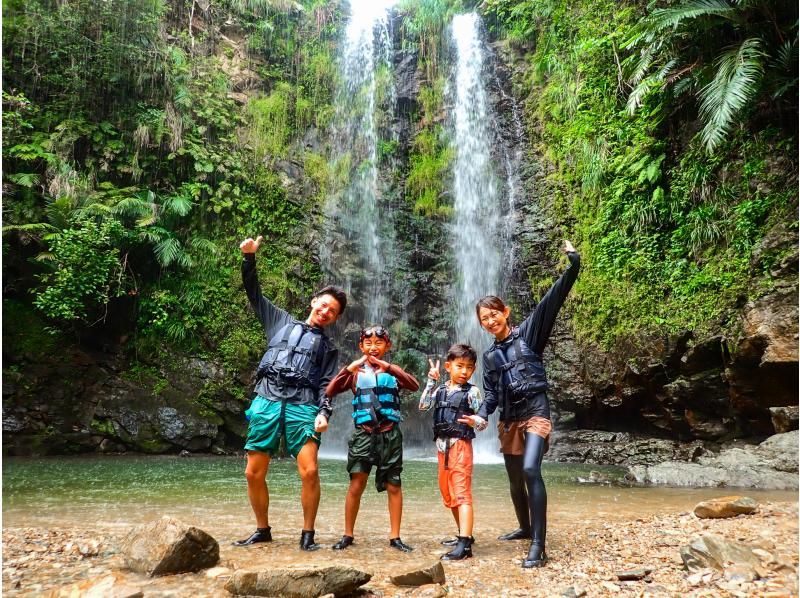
(460, 350)
(335, 292)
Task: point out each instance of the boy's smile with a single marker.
(374, 346)
(460, 369)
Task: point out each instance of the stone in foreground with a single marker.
(297, 582)
(725, 506)
(168, 546)
(715, 552)
(108, 586)
(634, 574)
(420, 577)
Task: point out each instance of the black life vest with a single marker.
(517, 371)
(447, 410)
(292, 355)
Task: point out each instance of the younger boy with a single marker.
(377, 439)
(455, 404)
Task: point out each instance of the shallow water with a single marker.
(210, 492)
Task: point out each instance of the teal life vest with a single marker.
(375, 400)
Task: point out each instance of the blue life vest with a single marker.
(375, 400)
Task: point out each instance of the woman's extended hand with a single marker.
(568, 247)
(249, 245)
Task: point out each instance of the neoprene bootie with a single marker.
(343, 543)
(463, 550)
(400, 545)
(517, 534)
(262, 534)
(307, 540)
(454, 541)
(536, 556)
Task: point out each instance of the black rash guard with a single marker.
(535, 330)
(273, 319)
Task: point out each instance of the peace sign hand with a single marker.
(433, 373)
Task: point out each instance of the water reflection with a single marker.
(210, 492)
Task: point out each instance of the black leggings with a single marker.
(527, 487)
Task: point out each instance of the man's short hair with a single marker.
(461, 351)
(335, 292)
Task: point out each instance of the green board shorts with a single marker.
(270, 420)
(384, 450)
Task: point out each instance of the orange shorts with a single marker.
(512, 434)
(455, 482)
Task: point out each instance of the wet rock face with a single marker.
(101, 405)
(168, 546)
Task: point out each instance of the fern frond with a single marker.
(30, 228)
(180, 205)
(738, 73)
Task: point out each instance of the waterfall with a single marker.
(363, 258)
(478, 229)
(359, 250)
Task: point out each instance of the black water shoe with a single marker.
(343, 543)
(536, 557)
(307, 540)
(262, 534)
(463, 550)
(400, 545)
(454, 541)
(517, 534)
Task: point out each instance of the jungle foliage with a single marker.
(141, 141)
(673, 133)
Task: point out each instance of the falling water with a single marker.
(365, 261)
(476, 229)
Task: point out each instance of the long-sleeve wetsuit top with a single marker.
(346, 380)
(535, 331)
(273, 319)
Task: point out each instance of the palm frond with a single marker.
(30, 228)
(180, 205)
(168, 250)
(132, 206)
(672, 17)
(641, 91)
(738, 73)
(154, 234)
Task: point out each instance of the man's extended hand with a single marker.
(568, 247)
(320, 423)
(249, 245)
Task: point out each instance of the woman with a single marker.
(514, 380)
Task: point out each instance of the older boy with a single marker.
(377, 439)
(454, 403)
(299, 363)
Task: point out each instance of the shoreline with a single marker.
(584, 557)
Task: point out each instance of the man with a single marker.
(290, 385)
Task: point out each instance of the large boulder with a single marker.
(297, 582)
(168, 546)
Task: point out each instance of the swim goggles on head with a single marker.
(378, 331)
